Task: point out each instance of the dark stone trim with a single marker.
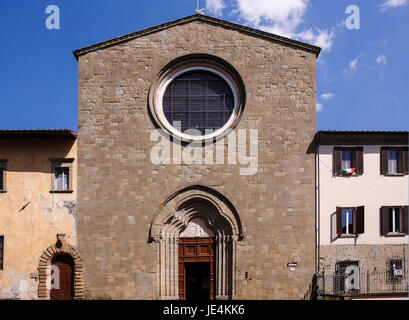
(64, 160)
(362, 138)
(38, 133)
(61, 191)
(198, 17)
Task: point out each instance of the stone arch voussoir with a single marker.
(60, 247)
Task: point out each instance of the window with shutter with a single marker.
(393, 221)
(405, 220)
(348, 161)
(394, 161)
(347, 222)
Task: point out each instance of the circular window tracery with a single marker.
(196, 99)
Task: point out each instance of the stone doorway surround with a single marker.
(60, 247)
(219, 215)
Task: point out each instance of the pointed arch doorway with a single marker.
(196, 263)
(170, 230)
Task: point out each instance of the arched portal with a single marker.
(61, 252)
(197, 203)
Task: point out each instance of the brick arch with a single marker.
(60, 247)
(173, 218)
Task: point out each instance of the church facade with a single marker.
(168, 209)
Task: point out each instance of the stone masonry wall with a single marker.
(121, 190)
(371, 257)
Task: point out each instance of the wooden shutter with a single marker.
(405, 220)
(405, 160)
(399, 160)
(339, 221)
(384, 220)
(360, 220)
(337, 161)
(384, 161)
(359, 160)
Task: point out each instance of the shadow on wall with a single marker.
(29, 154)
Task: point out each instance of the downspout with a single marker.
(317, 202)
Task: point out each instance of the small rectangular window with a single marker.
(347, 222)
(394, 160)
(395, 270)
(394, 220)
(61, 175)
(62, 178)
(1, 251)
(342, 270)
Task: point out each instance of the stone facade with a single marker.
(121, 191)
(371, 257)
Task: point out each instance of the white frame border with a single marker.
(158, 108)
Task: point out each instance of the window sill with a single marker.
(347, 175)
(394, 174)
(61, 191)
(395, 234)
(347, 236)
(3, 191)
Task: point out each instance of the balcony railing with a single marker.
(362, 283)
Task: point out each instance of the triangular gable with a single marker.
(202, 18)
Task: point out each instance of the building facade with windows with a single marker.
(38, 212)
(362, 198)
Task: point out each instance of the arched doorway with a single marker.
(197, 279)
(168, 229)
(62, 254)
(62, 277)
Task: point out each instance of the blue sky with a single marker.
(362, 75)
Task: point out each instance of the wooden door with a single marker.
(196, 250)
(66, 278)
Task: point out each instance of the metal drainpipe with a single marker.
(318, 268)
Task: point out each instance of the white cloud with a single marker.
(353, 66)
(381, 60)
(320, 38)
(283, 18)
(393, 3)
(327, 96)
(319, 107)
(215, 6)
